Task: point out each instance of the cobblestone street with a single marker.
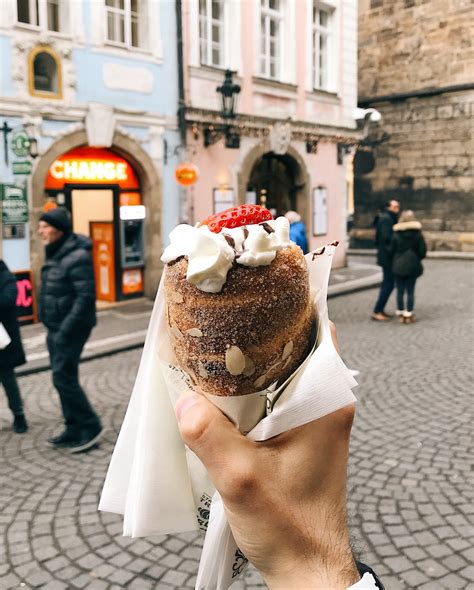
(411, 502)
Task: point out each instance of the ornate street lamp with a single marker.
(229, 96)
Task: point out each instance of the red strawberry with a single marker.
(236, 217)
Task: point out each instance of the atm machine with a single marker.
(132, 255)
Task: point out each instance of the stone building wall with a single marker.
(414, 68)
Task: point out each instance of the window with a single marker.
(126, 23)
(211, 25)
(270, 38)
(45, 73)
(322, 46)
(49, 15)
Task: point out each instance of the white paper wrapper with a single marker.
(160, 486)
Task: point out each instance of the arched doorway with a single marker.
(273, 182)
(102, 192)
(131, 161)
(285, 179)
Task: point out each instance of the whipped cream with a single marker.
(210, 255)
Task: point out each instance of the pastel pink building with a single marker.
(289, 144)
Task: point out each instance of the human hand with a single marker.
(285, 498)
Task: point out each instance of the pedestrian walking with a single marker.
(384, 223)
(67, 309)
(11, 354)
(408, 249)
(297, 230)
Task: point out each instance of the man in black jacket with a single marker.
(67, 309)
(383, 237)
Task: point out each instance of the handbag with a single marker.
(4, 337)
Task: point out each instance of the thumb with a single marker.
(212, 437)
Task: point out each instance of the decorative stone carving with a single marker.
(100, 125)
(279, 138)
(23, 43)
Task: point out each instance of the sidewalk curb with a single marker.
(90, 357)
(436, 254)
(333, 291)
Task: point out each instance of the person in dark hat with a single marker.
(67, 309)
(11, 355)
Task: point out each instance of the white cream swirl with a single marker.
(210, 255)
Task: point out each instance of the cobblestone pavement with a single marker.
(410, 498)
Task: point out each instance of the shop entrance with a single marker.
(102, 192)
(272, 183)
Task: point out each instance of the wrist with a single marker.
(337, 571)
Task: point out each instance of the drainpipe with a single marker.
(181, 105)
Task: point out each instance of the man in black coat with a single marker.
(67, 309)
(12, 355)
(383, 237)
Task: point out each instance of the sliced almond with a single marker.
(287, 362)
(272, 368)
(196, 332)
(176, 331)
(176, 297)
(202, 370)
(287, 350)
(260, 381)
(249, 368)
(234, 360)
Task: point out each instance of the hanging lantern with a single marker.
(186, 174)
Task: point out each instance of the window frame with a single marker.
(41, 13)
(31, 73)
(330, 33)
(210, 21)
(128, 17)
(267, 13)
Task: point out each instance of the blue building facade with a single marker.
(88, 112)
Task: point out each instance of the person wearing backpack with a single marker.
(408, 248)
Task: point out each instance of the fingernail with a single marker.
(184, 403)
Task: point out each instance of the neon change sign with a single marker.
(77, 170)
(91, 166)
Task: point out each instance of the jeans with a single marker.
(405, 285)
(386, 289)
(79, 416)
(10, 384)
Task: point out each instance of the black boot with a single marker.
(65, 439)
(19, 424)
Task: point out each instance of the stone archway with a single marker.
(300, 175)
(151, 187)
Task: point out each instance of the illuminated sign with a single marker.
(88, 165)
(78, 170)
(186, 174)
(128, 212)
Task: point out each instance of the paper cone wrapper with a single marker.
(161, 487)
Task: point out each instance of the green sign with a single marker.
(23, 167)
(14, 204)
(20, 144)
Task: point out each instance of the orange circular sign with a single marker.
(186, 174)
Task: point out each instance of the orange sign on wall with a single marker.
(103, 254)
(86, 165)
(132, 281)
(186, 174)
